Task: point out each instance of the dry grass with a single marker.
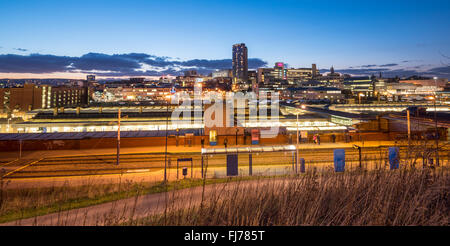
(409, 196)
(380, 197)
(18, 204)
(24, 203)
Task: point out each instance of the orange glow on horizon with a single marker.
(63, 75)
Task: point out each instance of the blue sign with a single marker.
(302, 165)
(394, 158)
(173, 91)
(339, 160)
(232, 165)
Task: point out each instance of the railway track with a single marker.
(149, 162)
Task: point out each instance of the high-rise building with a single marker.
(253, 79)
(314, 70)
(240, 63)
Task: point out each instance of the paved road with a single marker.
(137, 207)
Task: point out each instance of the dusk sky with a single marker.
(68, 39)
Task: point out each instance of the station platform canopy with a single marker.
(87, 135)
(248, 149)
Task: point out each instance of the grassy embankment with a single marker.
(379, 197)
(18, 204)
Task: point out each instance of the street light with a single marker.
(359, 96)
(119, 117)
(408, 117)
(435, 122)
(297, 157)
(359, 150)
(118, 138)
(9, 126)
(167, 98)
(303, 106)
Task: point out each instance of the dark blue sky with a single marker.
(408, 35)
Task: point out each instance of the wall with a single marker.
(6, 146)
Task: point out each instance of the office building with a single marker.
(360, 85)
(315, 72)
(331, 77)
(279, 73)
(227, 73)
(240, 63)
(191, 73)
(313, 93)
(31, 97)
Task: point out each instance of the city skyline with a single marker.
(241, 114)
(110, 39)
(39, 66)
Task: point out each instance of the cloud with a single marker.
(401, 73)
(141, 64)
(384, 65)
(362, 71)
(389, 65)
(21, 49)
(132, 64)
(442, 72)
(103, 62)
(33, 63)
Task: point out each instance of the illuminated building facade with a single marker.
(30, 97)
(240, 63)
(313, 93)
(439, 82)
(358, 85)
(290, 75)
(227, 73)
(135, 94)
(147, 118)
